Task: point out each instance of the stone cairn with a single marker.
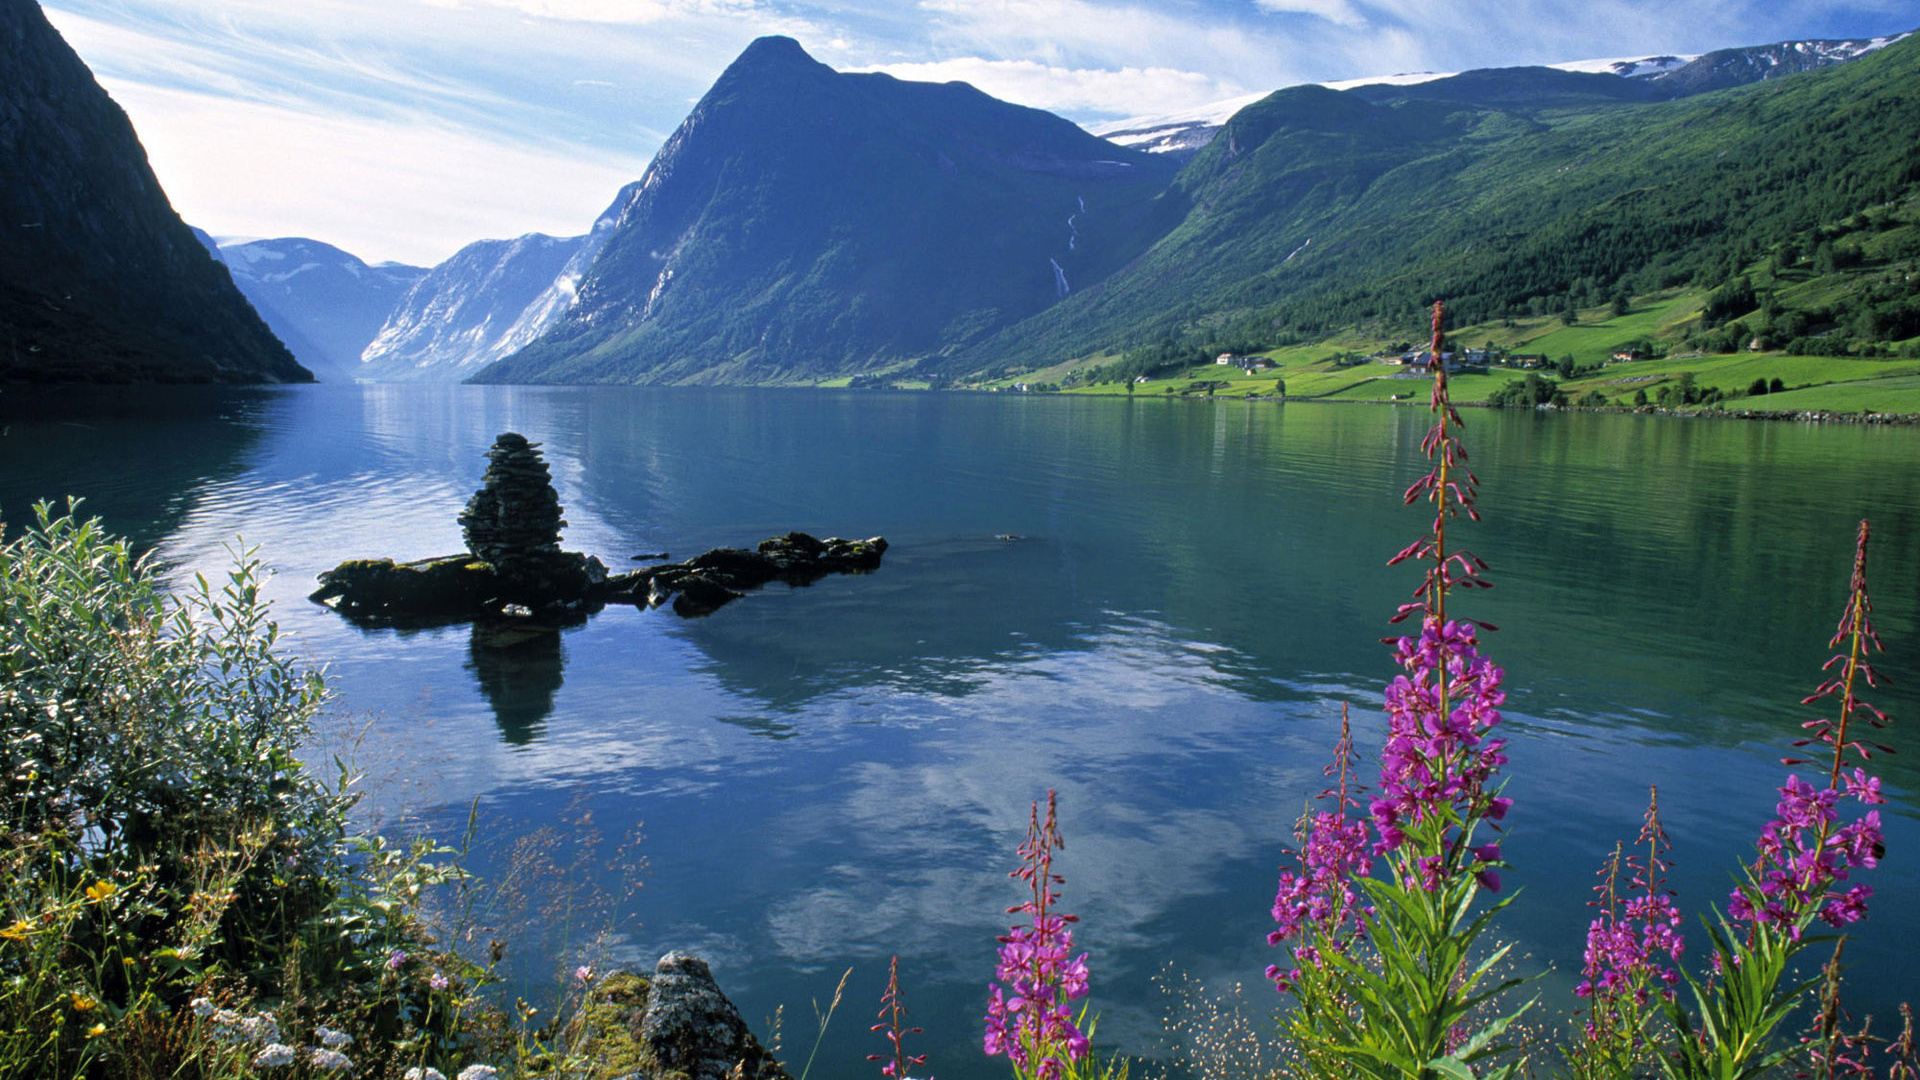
(513, 522)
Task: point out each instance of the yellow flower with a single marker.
(96, 1031)
(21, 930)
(100, 890)
(83, 1003)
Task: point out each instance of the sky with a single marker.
(405, 129)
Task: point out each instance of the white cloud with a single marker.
(401, 190)
(1339, 12)
(612, 11)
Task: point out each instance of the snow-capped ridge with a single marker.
(1188, 130)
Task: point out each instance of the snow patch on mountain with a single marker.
(490, 300)
(1631, 67)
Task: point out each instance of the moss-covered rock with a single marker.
(675, 1026)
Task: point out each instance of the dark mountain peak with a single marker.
(804, 221)
(772, 53)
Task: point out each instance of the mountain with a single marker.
(804, 223)
(491, 299)
(323, 303)
(99, 279)
(1726, 68)
(1505, 192)
(1179, 135)
(1184, 134)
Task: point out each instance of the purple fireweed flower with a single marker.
(1630, 943)
(1805, 852)
(1031, 1018)
(1439, 758)
(1317, 904)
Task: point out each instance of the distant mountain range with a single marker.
(100, 281)
(324, 304)
(490, 300)
(805, 224)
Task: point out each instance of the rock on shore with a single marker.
(676, 1025)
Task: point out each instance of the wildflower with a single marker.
(478, 1072)
(438, 981)
(583, 973)
(331, 1039)
(395, 959)
(1035, 1021)
(96, 1031)
(101, 890)
(892, 1009)
(1623, 943)
(1805, 852)
(83, 1003)
(260, 1028)
(1439, 758)
(21, 930)
(328, 1060)
(1317, 903)
(201, 1007)
(427, 1073)
(273, 1055)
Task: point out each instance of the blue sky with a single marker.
(403, 129)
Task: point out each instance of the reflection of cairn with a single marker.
(514, 519)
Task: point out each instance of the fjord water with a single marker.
(1155, 607)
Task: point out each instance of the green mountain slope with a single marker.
(805, 223)
(1507, 193)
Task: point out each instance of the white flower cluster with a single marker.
(263, 1031)
(328, 1060)
(259, 1029)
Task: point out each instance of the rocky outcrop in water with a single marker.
(514, 519)
(676, 1025)
(705, 582)
(514, 567)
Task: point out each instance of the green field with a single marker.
(1900, 394)
(1311, 371)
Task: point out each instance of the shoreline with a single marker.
(1804, 416)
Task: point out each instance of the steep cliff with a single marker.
(100, 281)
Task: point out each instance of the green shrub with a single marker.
(156, 814)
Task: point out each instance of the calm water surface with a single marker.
(827, 776)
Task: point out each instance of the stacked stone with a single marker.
(514, 519)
